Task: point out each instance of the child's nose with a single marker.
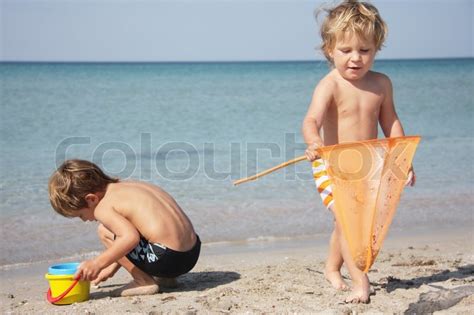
(355, 56)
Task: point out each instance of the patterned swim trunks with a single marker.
(160, 261)
(323, 183)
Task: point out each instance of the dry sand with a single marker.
(419, 274)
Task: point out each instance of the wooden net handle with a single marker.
(261, 174)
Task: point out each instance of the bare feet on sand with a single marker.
(335, 279)
(360, 292)
(134, 288)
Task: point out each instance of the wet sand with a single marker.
(423, 273)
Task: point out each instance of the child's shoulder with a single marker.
(133, 187)
(128, 186)
(379, 77)
(117, 193)
(328, 82)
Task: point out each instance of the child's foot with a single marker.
(360, 292)
(170, 283)
(134, 288)
(358, 297)
(335, 279)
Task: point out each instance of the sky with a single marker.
(216, 30)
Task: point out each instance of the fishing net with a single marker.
(367, 180)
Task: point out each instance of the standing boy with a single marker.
(348, 104)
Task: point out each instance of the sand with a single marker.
(422, 273)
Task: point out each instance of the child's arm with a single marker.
(313, 120)
(390, 123)
(126, 238)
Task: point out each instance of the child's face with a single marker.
(353, 56)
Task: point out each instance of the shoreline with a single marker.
(265, 243)
(42, 238)
(249, 245)
(423, 272)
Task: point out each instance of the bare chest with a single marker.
(358, 104)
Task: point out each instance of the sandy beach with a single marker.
(422, 273)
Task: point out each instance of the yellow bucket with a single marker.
(63, 289)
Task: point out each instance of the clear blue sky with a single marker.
(225, 30)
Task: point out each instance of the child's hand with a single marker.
(411, 179)
(310, 152)
(106, 273)
(88, 270)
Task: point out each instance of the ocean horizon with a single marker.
(216, 61)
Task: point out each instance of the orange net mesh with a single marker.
(367, 180)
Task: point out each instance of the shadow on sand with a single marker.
(193, 281)
(440, 298)
(460, 273)
(199, 281)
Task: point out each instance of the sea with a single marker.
(194, 128)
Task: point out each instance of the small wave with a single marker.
(80, 257)
(263, 239)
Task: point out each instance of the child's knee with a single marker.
(105, 235)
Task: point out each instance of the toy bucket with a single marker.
(63, 288)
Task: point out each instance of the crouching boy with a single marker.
(142, 227)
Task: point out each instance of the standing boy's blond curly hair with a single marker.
(357, 18)
(72, 181)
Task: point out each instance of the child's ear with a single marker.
(91, 199)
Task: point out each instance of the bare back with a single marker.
(153, 212)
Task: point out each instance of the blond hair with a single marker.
(72, 181)
(358, 18)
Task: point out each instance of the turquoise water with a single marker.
(194, 128)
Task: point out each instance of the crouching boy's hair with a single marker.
(72, 181)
